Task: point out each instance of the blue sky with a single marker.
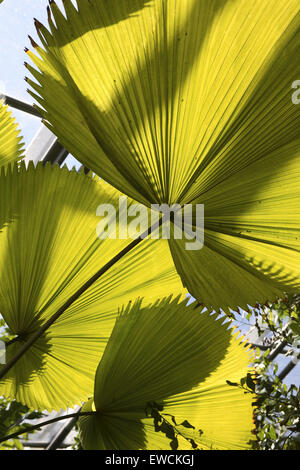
(16, 17)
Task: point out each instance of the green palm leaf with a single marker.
(188, 101)
(251, 251)
(11, 145)
(180, 359)
(48, 250)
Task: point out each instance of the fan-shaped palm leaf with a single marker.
(49, 250)
(188, 101)
(11, 145)
(180, 359)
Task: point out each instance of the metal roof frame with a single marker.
(44, 146)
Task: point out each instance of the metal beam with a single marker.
(20, 105)
(61, 435)
(263, 347)
(287, 369)
(44, 146)
(41, 445)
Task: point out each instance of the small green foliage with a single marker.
(77, 442)
(186, 424)
(250, 382)
(12, 415)
(277, 406)
(172, 431)
(232, 384)
(5, 333)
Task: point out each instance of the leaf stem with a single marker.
(45, 423)
(35, 336)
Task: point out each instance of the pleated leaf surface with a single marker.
(11, 145)
(188, 101)
(180, 359)
(48, 250)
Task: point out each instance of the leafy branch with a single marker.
(30, 429)
(277, 406)
(12, 414)
(171, 431)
